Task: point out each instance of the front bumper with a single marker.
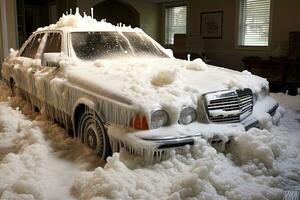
(179, 135)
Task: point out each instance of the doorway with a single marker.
(116, 11)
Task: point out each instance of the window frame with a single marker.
(30, 41)
(61, 41)
(253, 47)
(26, 43)
(31, 37)
(172, 5)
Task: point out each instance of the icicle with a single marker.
(92, 12)
(149, 153)
(128, 42)
(71, 11)
(189, 57)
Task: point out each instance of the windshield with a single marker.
(96, 45)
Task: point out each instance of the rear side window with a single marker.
(53, 43)
(32, 47)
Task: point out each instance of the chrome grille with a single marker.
(229, 106)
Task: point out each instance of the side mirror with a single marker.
(169, 52)
(51, 59)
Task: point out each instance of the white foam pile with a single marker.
(39, 161)
(158, 82)
(37, 158)
(77, 21)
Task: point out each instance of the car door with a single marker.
(25, 66)
(49, 79)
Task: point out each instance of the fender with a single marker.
(89, 103)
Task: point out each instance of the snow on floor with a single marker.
(37, 158)
(39, 161)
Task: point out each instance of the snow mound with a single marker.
(197, 172)
(34, 153)
(76, 21)
(247, 80)
(165, 77)
(19, 172)
(197, 65)
(256, 145)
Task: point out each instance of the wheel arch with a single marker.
(11, 80)
(80, 106)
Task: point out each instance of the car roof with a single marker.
(78, 23)
(69, 30)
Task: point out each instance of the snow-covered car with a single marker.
(115, 87)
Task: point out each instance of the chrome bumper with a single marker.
(167, 142)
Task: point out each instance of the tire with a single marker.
(14, 88)
(93, 134)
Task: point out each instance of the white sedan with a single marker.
(115, 87)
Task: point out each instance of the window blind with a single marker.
(254, 21)
(175, 22)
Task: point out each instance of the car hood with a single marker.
(158, 82)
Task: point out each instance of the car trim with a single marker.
(166, 142)
(272, 111)
(225, 95)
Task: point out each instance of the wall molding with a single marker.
(4, 28)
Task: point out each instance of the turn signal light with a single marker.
(139, 122)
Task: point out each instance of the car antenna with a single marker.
(92, 12)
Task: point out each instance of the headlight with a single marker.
(159, 118)
(187, 115)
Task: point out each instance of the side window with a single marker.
(26, 51)
(53, 43)
(32, 47)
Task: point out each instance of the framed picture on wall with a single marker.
(211, 25)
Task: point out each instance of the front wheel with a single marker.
(93, 134)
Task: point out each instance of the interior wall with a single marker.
(286, 18)
(223, 52)
(11, 23)
(150, 14)
(8, 27)
(1, 35)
